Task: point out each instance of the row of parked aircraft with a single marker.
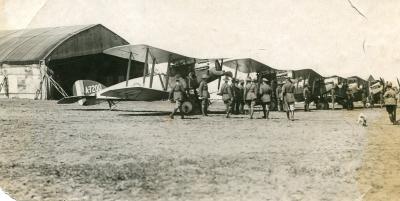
(154, 86)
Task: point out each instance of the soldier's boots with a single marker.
(173, 113)
(204, 111)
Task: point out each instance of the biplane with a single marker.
(376, 90)
(357, 86)
(276, 77)
(251, 66)
(339, 86)
(312, 79)
(153, 86)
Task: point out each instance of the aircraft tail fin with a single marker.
(87, 89)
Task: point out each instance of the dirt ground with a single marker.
(69, 152)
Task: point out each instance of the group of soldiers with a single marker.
(235, 95)
(238, 93)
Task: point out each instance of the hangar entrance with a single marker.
(30, 59)
(103, 68)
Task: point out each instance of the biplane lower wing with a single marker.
(73, 99)
(136, 94)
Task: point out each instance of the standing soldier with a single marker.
(333, 96)
(250, 95)
(390, 100)
(192, 83)
(235, 93)
(226, 93)
(279, 97)
(265, 92)
(177, 94)
(307, 97)
(349, 99)
(241, 97)
(288, 95)
(204, 94)
(364, 98)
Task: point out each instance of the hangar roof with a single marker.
(28, 46)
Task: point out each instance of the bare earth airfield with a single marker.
(69, 152)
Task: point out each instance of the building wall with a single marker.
(23, 80)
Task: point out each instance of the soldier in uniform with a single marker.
(235, 93)
(307, 97)
(333, 96)
(266, 93)
(288, 95)
(390, 101)
(250, 95)
(241, 97)
(364, 98)
(349, 99)
(227, 97)
(204, 94)
(279, 97)
(192, 83)
(177, 94)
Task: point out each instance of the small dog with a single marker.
(362, 119)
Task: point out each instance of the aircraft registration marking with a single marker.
(92, 88)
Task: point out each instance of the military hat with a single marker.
(241, 81)
(389, 84)
(205, 76)
(265, 79)
(248, 79)
(226, 78)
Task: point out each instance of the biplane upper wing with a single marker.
(247, 65)
(139, 53)
(136, 93)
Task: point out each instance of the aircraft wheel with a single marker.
(187, 107)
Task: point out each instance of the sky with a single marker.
(330, 37)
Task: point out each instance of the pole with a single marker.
(129, 68)
(152, 72)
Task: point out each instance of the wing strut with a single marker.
(236, 69)
(146, 65)
(217, 64)
(168, 72)
(152, 72)
(129, 68)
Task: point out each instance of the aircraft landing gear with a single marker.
(187, 107)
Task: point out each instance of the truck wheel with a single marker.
(187, 107)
